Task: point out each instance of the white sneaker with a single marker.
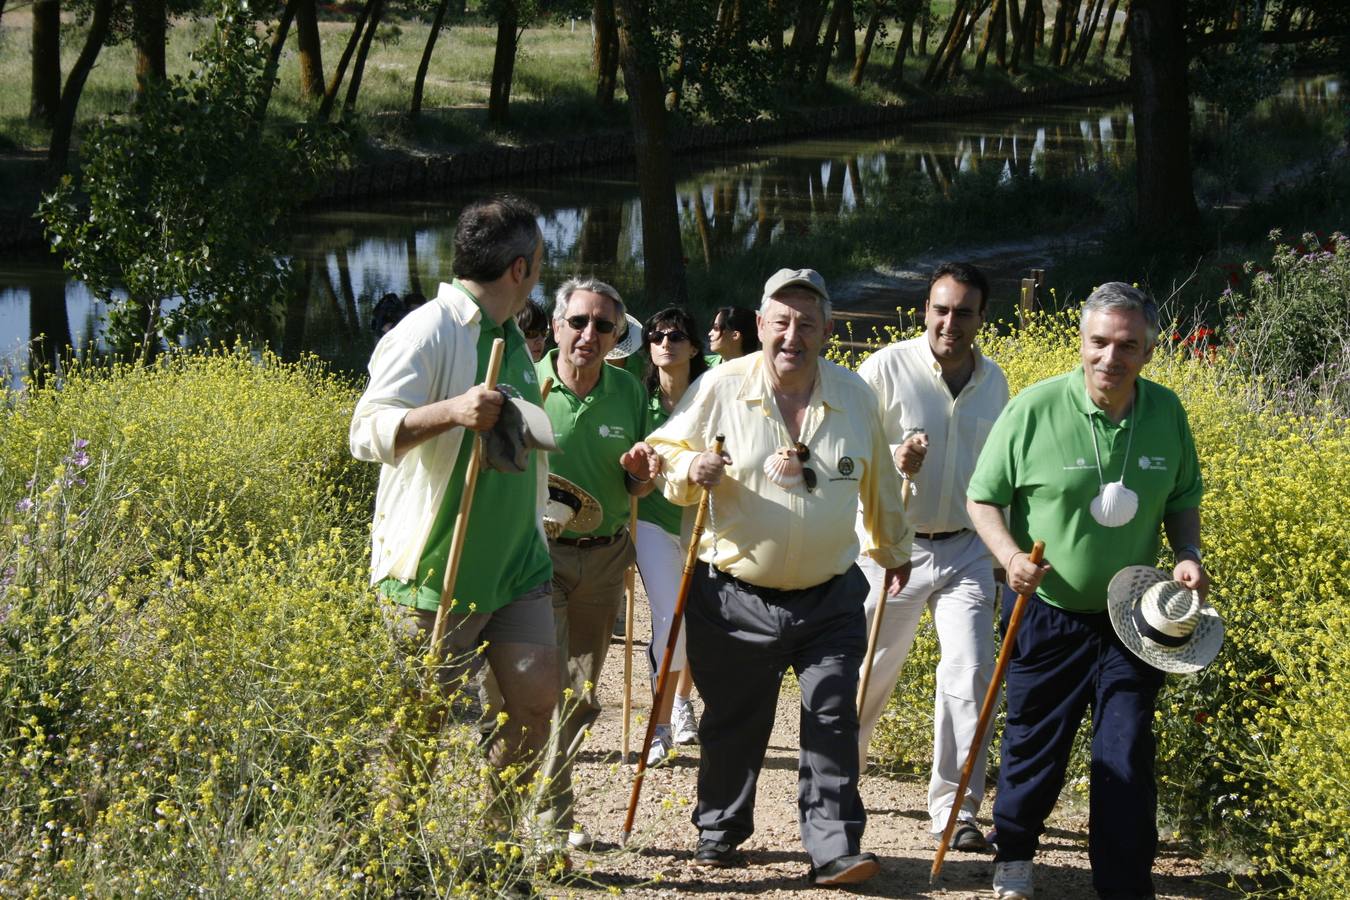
(579, 838)
(660, 748)
(1013, 880)
(683, 724)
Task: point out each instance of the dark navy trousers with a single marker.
(742, 640)
(1062, 663)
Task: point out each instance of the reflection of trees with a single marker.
(598, 243)
(297, 306)
(48, 329)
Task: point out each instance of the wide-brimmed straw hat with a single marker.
(570, 508)
(521, 427)
(630, 341)
(1162, 621)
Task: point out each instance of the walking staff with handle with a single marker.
(986, 713)
(686, 580)
(462, 518)
(874, 633)
(629, 590)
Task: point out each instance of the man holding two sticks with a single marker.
(776, 586)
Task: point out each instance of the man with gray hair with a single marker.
(597, 412)
(1092, 462)
(776, 587)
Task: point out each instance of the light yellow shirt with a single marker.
(776, 537)
(908, 383)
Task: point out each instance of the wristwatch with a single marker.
(1193, 550)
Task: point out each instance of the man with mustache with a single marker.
(1092, 462)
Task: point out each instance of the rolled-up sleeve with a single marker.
(886, 534)
(398, 383)
(680, 441)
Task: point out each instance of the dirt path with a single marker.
(656, 861)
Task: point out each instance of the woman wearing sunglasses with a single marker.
(733, 333)
(675, 356)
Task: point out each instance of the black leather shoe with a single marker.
(846, 870)
(968, 839)
(718, 854)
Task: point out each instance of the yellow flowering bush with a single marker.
(199, 692)
(1254, 752)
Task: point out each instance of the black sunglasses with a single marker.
(808, 473)
(578, 323)
(675, 336)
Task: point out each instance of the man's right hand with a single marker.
(707, 468)
(477, 408)
(909, 455)
(1024, 576)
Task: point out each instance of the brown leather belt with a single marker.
(582, 543)
(940, 535)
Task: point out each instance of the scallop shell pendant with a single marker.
(1115, 505)
(784, 468)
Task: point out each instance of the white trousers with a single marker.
(955, 579)
(660, 560)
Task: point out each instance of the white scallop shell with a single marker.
(1115, 505)
(784, 469)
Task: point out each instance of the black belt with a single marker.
(940, 535)
(583, 542)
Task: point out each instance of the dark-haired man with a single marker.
(425, 397)
(939, 397)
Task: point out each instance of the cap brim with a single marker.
(1124, 591)
(630, 342)
(538, 429)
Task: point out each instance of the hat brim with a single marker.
(1124, 591)
(630, 342)
(590, 513)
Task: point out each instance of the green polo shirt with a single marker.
(1039, 464)
(504, 551)
(593, 432)
(654, 507)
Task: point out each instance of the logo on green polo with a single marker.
(613, 431)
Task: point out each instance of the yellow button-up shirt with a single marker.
(776, 537)
(908, 383)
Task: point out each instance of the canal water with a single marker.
(347, 258)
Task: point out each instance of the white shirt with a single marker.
(431, 355)
(787, 538)
(908, 382)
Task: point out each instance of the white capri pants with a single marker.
(955, 579)
(660, 560)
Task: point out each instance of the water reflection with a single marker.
(346, 259)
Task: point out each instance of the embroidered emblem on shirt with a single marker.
(612, 431)
(1156, 463)
(845, 465)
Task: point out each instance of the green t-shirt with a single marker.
(593, 432)
(504, 552)
(1039, 464)
(654, 507)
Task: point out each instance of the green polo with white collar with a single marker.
(1039, 464)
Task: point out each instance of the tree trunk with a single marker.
(848, 35)
(45, 95)
(330, 94)
(776, 29)
(860, 62)
(827, 45)
(1085, 36)
(1124, 36)
(150, 27)
(804, 35)
(274, 57)
(503, 63)
(605, 52)
(925, 13)
(993, 27)
(1106, 29)
(311, 49)
(663, 273)
(949, 39)
(897, 73)
(59, 148)
(359, 66)
(419, 83)
(1070, 31)
(1061, 25)
(1165, 194)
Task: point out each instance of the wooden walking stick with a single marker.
(874, 633)
(629, 590)
(986, 713)
(686, 579)
(462, 519)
